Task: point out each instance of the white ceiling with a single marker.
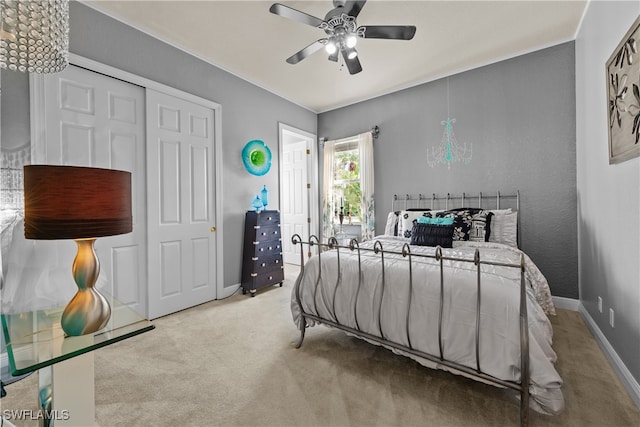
(244, 38)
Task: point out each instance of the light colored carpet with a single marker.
(233, 363)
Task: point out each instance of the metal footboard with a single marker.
(333, 321)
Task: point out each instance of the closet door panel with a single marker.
(94, 120)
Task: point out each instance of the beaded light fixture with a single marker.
(34, 35)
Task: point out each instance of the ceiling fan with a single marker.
(342, 31)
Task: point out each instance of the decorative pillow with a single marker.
(462, 218)
(504, 227)
(436, 221)
(391, 227)
(407, 220)
(480, 227)
(432, 235)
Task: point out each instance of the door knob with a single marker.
(213, 229)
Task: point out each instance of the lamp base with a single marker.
(88, 311)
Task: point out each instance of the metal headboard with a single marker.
(481, 200)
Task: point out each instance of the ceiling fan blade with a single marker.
(296, 15)
(353, 64)
(396, 32)
(353, 7)
(312, 48)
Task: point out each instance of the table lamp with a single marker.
(80, 203)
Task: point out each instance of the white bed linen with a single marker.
(499, 332)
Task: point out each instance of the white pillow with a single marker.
(392, 223)
(504, 227)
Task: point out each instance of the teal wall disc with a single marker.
(256, 157)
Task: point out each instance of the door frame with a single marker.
(38, 131)
(312, 171)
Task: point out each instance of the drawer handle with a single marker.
(254, 258)
(270, 277)
(264, 234)
(256, 227)
(268, 218)
(255, 243)
(277, 261)
(275, 232)
(254, 274)
(264, 264)
(270, 248)
(261, 249)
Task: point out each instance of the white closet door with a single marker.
(98, 121)
(295, 198)
(181, 195)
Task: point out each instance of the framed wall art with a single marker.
(623, 97)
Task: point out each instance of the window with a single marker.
(348, 183)
(346, 180)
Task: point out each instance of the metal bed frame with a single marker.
(522, 386)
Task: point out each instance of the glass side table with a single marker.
(35, 341)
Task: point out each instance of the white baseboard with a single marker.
(618, 365)
(566, 303)
(229, 290)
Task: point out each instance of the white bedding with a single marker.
(499, 332)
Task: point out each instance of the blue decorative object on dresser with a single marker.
(257, 204)
(264, 195)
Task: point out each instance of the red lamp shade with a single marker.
(71, 202)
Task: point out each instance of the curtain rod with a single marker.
(374, 132)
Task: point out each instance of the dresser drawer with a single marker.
(268, 218)
(267, 263)
(270, 233)
(267, 248)
(268, 278)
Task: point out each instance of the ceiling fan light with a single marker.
(331, 48)
(352, 54)
(351, 41)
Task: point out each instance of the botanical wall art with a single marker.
(256, 157)
(623, 92)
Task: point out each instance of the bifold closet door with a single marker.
(89, 119)
(181, 207)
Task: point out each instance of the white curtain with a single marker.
(327, 190)
(365, 146)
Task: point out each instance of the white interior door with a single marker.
(297, 184)
(90, 119)
(181, 195)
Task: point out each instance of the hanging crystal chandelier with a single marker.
(34, 35)
(449, 151)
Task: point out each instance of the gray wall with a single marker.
(608, 195)
(248, 112)
(519, 114)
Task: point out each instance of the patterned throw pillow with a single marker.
(480, 227)
(407, 220)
